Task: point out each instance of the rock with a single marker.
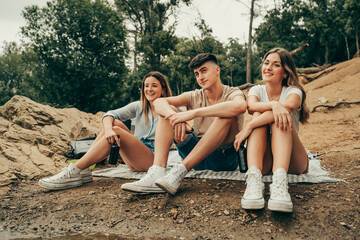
(323, 100)
(34, 138)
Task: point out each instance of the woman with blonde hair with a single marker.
(273, 144)
(136, 150)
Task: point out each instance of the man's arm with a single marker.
(162, 105)
(227, 109)
(231, 108)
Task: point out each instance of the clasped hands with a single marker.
(178, 121)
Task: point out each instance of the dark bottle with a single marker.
(242, 158)
(114, 154)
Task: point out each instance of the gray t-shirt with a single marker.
(260, 92)
(134, 110)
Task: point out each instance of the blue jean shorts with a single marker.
(224, 158)
(148, 143)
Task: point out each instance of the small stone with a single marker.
(345, 225)
(323, 100)
(91, 192)
(181, 220)
(226, 212)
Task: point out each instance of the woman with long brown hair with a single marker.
(136, 150)
(273, 144)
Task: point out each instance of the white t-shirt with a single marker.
(260, 92)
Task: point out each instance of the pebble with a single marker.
(226, 212)
(91, 192)
(323, 100)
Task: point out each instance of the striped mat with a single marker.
(316, 174)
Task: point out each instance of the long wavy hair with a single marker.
(164, 85)
(291, 79)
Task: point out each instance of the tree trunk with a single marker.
(347, 46)
(249, 53)
(357, 40)
(326, 52)
(135, 52)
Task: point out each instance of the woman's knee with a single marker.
(118, 130)
(277, 131)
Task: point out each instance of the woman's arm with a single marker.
(292, 102)
(264, 118)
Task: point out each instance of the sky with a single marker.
(227, 18)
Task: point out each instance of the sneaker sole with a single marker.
(165, 186)
(138, 189)
(253, 204)
(280, 206)
(87, 178)
(59, 186)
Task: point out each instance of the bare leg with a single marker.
(281, 145)
(163, 139)
(135, 154)
(222, 131)
(299, 158)
(117, 123)
(258, 148)
(288, 151)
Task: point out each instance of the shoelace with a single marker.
(253, 183)
(175, 177)
(148, 175)
(62, 174)
(280, 189)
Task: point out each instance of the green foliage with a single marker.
(321, 23)
(11, 71)
(81, 45)
(154, 37)
(75, 50)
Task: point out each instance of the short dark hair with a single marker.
(202, 58)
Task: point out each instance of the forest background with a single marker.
(92, 54)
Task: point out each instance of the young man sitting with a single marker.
(217, 111)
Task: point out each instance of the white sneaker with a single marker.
(171, 182)
(86, 176)
(147, 183)
(69, 177)
(280, 199)
(253, 197)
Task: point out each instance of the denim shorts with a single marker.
(224, 158)
(148, 143)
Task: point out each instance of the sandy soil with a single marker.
(210, 209)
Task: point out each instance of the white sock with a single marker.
(73, 168)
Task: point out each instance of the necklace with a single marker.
(272, 98)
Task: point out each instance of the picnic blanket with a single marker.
(316, 173)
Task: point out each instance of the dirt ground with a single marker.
(210, 209)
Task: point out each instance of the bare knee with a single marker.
(118, 130)
(278, 131)
(174, 108)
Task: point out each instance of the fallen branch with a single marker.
(312, 77)
(310, 70)
(335, 106)
(299, 49)
(246, 86)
